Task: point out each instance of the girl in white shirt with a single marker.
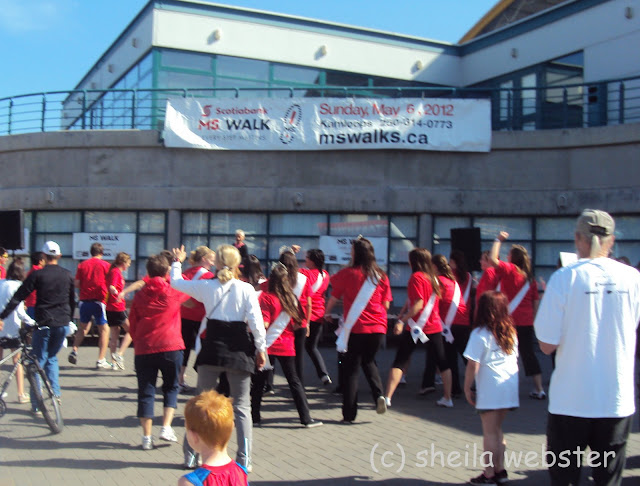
(492, 354)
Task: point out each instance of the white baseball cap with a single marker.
(51, 248)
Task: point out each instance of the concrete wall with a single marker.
(552, 172)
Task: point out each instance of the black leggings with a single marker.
(189, 334)
(311, 345)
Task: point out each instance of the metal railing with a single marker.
(603, 103)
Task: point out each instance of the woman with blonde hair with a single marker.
(117, 310)
(192, 312)
(234, 340)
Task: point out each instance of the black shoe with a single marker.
(482, 479)
(326, 380)
(501, 477)
(73, 357)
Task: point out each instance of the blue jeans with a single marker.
(46, 343)
(168, 363)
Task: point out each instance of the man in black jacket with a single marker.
(54, 310)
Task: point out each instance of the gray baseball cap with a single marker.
(595, 222)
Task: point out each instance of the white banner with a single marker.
(112, 243)
(337, 249)
(329, 124)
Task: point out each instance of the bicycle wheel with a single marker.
(46, 401)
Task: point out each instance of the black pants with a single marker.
(526, 350)
(297, 390)
(452, 350)
(311, 345)
(361, 352)
(300, 336)
(436, 358)
(605, 436)
(189, 334)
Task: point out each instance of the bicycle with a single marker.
(45, 400)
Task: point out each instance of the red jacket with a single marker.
(155, 324)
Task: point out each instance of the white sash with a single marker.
(274, 331)
(467, 291)
(318, 283)
(300, 282)
(359, 304)
(451, 314)
(416, 327)
(201, 271)
(513, 305)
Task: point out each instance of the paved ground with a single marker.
(414, 443)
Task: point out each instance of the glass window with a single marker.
(404, 227)
(246, 88)
(337, 78)
(187, 60)
(192, 242)
(399, 275)
(518, 228)
(549, 253)
(399, 250)
(115, 222)
(296, 74)
(629, 249)
(555, 228)
(67, 221)
(195, 223)
(149, 245)
(305, 244)
(528, 95)
(228, 223)
(442, 247)
(242, 68)
(152, 223)
(627, 227)
(170, 79)
(358, 224)
(298, 224)
(64, 240)
(443, 225)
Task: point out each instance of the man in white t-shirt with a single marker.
(588, 315)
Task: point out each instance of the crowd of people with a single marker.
(241, 324)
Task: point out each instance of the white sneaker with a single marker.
(147, 442)
(443, 402)
(167, 433)
(387, 400)
(103, 364)
(381, 405)
(118, 361)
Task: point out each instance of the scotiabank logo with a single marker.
(291, 122)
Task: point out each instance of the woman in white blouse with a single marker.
(234, 340)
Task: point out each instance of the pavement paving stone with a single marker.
(415, 442)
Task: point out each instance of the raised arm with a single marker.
(494, 255)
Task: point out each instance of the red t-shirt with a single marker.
(271, 309)
(317, 297)
(115, 278)
(303, 300)
(31, 300)
(230, 474)
(92, 277)
(155, 318)
(488, 281)
(419, 287)
(3, 273)
(447, 289)
(511, 281)
(346, 284)
(195, 313)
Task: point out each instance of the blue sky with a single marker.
(49, 45)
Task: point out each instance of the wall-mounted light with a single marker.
(110, 68)
(417, 66)
(628, 12)
(134, 42)
(217, 35)
(322, 51)
(514, 52)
